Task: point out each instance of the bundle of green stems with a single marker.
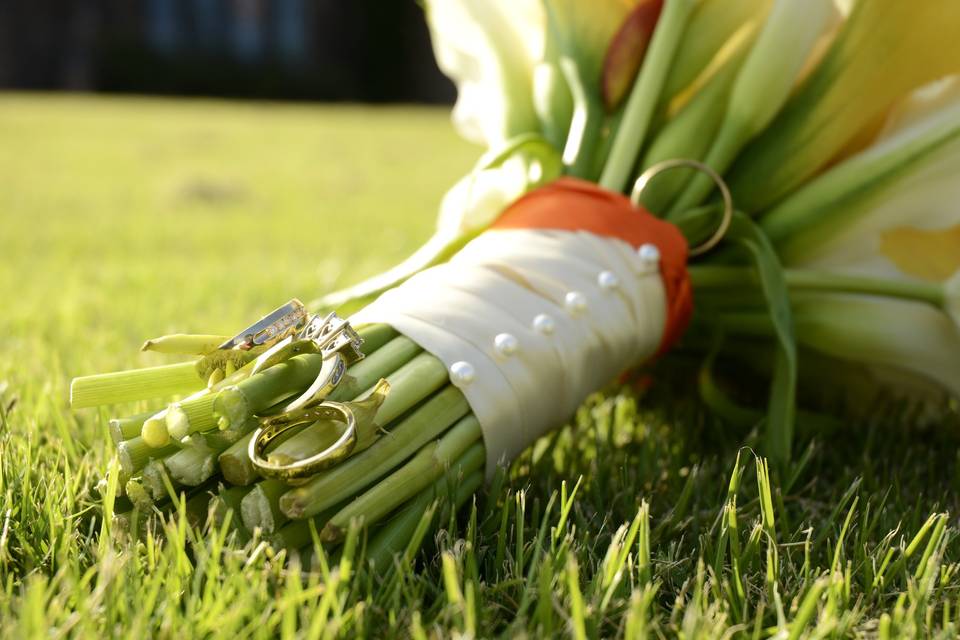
(422, 444)
(417, 443)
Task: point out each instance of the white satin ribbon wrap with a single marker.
(497, 285)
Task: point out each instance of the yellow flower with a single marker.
(891, 210)
(890, 213)
(886, 49)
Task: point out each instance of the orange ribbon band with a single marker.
(571, 204)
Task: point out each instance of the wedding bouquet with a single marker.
(771, 179)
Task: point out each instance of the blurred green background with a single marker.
(125, 218)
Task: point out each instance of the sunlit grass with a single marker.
(122, 219)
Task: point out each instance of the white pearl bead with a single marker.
(649, 255)
(462, 373)
(544, 324)
(575, 302)
(608, 280)
(506, 344)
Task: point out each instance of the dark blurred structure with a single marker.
(361, 50)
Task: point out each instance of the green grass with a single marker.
(123, 219)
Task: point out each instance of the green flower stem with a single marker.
(410, 384)
(929, 292)
(259, 508)
(221, 440)
(359, 471)
(722, 277)
(215, 378)
(296, 533)
(196, 413)
(235, 464)
(173, 379)
(237, 403)
(645, 94)
(727, 143)
(174, 420)
(193, 465)
(154, 430)
(184, 344)
(134, 454)
(135, 384)
(191, 415)
(197, 507)
(586, 125)
(198, 461)
(138, 494)
(126, 428)
(611, 124)
(460, 448)
(317, 439)
(226, 503)
(689, 134)
(375, 336)
(156, 480)
(406, 531)
(362, 376)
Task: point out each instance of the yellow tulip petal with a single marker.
(929, 255)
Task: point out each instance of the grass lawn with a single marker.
(122, 219)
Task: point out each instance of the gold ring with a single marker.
(272, 428)
(332, 370)
(666, 165)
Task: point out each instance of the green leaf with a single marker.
(782, 409)
(718, 401)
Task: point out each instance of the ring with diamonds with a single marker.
(330, 336)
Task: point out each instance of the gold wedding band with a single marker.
(272, 428)
(676, 163)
